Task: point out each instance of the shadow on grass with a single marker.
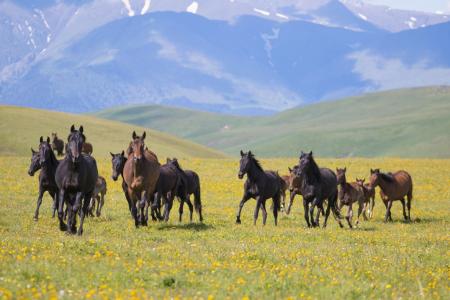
(187, 226)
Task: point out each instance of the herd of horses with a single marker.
(76, 187)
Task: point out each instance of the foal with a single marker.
(349, 193)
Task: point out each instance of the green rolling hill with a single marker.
(20, 129)
(403, 123)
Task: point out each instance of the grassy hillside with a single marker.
(20, 129)
(406, 123)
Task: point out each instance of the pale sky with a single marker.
(422, 5)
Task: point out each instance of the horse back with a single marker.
(328, 182)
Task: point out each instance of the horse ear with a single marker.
(290, 170)
(123, 153)
(250, 153)
(72, 128)
(345, 169)
(371, 171)
(134, 135)
(143, 135)
(112, 155)
(48, 140)
(81, 129)
(41, 139)
(310, 153)
(242, 153)
(362, 180)
(32, 151)
(167, 160)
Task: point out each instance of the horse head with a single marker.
(294, 178)
(374, 179)
(44, 150)
(35, 163)
(137, 146)
(340, 174)
(118, 162)
(245, 162)
(76, 140)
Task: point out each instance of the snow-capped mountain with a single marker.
(241, 56)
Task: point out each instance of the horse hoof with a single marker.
(35, 218)
(63, 227)
(238, 221)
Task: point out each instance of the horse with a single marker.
(369, 195)
(76, 177)
(192, 187)
(141, 173)
(394, 186)
(118, 163)
(98, 196)
(350, 193)
(87, 148)
(317, 184)
(167, 188)
(57, 144)
(295, 184)
(260, 185)
(44, 160)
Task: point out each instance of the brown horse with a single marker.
(369, 195)
(393, 187)
(350, 193)
(295, 184)
(57, 144)
(141, 175)
(87, 148)
(98, 196)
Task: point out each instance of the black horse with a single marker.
(118, 162)
(75, 176)
(48, 164)
(317, 185)
(190, 185)
(260, 185)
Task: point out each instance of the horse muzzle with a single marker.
(240, 175)
(31, 173)
(114, 177)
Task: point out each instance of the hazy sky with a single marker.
(424, 5)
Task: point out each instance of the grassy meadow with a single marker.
(219, 259)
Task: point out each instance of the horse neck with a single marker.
(384, 185)
(254, 173)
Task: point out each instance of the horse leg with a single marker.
(62, 225)
(54, 197)
(84, 211)
(305, 207)
(134, 211)
(291, 200)
(91, 206)
(311, 211)
(180, 211)
(142, 204)
(349, 216)
(191, 207)
(365, 204)
(360, 210)
(264, 211)
(101, 202)
(39, 202)
(127, 197)
(257, 208)
(320, 210)
(276, 200)
(404, 209)
(388, 211)
(241, 205)
(409, 197)
(372, 205)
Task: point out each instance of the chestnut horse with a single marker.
(350, 193)
(394, 186)
(141, 176)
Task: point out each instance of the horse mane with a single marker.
(257, 163)
(387, 177)
(53, 157)
(314, 169)
(177, 165)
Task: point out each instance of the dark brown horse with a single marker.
(260, 185)
(57, 144)
(45, 160)
(350, 193)
(394, 186)
(141, 176)
(166, 188)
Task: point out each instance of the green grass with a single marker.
(401, 123)
(219, 259)
(20, 129)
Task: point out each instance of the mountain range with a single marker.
(240, 57)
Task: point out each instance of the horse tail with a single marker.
(197, 195)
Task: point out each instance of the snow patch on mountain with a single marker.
(193, 7)
(262, 12)
(127, 4)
